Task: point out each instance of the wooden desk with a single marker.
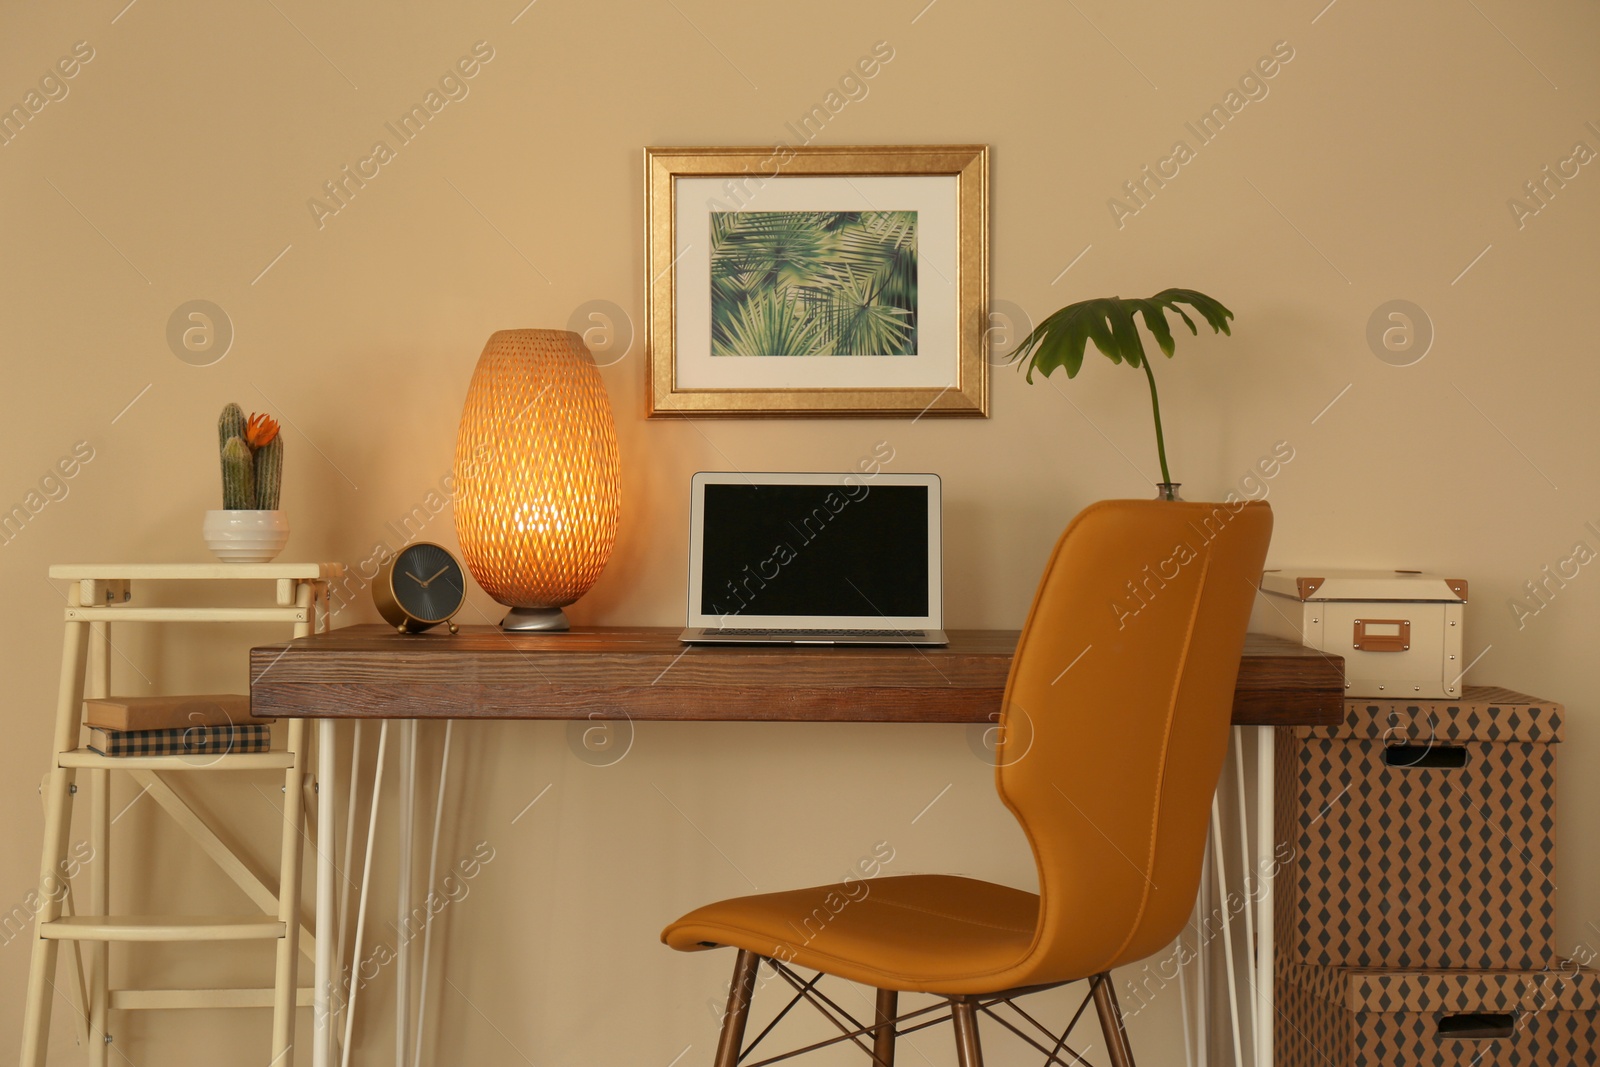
(644, 673)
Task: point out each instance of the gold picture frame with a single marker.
(948, 373)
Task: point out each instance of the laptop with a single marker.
(815, 559)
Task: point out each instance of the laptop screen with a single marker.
(817, 550)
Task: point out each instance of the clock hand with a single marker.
(440, 571)
(414, 578)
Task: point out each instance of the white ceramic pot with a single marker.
(245, 536)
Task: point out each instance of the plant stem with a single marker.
(1155, 408)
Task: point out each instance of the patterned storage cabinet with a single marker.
(1423, 834)
(1354, 1017)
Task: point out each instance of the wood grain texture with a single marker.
(644, 673)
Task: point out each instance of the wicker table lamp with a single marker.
(536, 475)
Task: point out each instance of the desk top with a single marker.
(644, 673)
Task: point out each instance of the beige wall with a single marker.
(179, 165)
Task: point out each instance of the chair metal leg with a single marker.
(968, 1052)
(739, 995)
(883, 1034)
(1105, 1003)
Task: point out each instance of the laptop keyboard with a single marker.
(761, 632)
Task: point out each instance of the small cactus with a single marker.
(252, 460)
(269, 473)
(238, 476)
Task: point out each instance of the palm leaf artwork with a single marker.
(813, 283)
(1060, 340)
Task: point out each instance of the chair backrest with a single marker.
(1116, 721)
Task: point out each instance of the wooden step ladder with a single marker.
(101, 594)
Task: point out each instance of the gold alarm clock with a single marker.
(421, 587)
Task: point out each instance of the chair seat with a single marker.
(916, 933)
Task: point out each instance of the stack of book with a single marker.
(210, 725)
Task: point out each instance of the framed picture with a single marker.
(817, 281)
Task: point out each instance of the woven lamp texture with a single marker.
(536, 470)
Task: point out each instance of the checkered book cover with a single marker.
(183, 741)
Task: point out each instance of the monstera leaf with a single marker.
(1061, 340)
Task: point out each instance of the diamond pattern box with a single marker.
(1355, 1017)
(1423, 834)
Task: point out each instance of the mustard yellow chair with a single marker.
(1113, 731)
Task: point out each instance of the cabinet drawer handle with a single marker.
(1435, 757)
(1478, 1026)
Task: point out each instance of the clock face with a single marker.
(428, 583)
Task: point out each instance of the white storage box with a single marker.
(1398, 631)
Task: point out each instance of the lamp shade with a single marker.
(536, 475)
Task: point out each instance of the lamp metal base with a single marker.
(546, 620)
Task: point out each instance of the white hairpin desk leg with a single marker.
(1247, 963)
(1220, 877)
(1266, 871)
(346, 865)
(427, 902)
(1247, 887)
(322, 981)
(402, 967)
(361, 903)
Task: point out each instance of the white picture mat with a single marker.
(697, 534)
(936, 364)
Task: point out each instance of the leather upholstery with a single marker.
(1114, 728)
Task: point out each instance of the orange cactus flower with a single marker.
(260, 430)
